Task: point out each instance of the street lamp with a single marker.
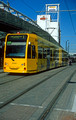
(67, 46)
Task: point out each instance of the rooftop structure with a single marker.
(50, 24)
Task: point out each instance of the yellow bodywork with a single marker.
(32, 65)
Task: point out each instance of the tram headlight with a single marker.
(29, 43)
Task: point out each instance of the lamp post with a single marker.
(67, 46)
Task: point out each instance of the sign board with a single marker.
(43, 18)
(52, 8)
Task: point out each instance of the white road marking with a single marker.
(67, 110)
(26, 105)
(1, 102)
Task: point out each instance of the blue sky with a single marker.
(67, 19)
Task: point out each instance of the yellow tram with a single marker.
(29, 53)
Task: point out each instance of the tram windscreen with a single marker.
(16, 46)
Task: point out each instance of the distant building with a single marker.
(52, 27)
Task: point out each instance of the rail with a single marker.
(26, 89)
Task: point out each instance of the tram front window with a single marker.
(16, 46)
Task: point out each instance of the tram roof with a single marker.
(40, 32)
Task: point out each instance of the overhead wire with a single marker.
(70, 16)
(25, 5)
(28, 6)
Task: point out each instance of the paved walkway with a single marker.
(1, 69)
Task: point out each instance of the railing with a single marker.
(11, 10)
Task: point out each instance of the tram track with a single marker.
(25, 99)
(8, 81)
(53, 101)
(27, 89)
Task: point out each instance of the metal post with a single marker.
(57, 17)
(67, 46)
(46, 19)
(58, 14)
(58, 22)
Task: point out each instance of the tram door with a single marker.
(48, 58)
(32, 57)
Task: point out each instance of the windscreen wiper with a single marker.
(12, 59)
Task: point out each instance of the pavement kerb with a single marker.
(51, 99)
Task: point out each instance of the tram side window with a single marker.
(51, 55)
(54, 54)
(44, 53)
(29, 51)
(33, 51)
(62, 56)
(40, 51)
(57, 55)
(48, 51)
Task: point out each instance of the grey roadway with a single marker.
(65, 108)
(32, 104)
